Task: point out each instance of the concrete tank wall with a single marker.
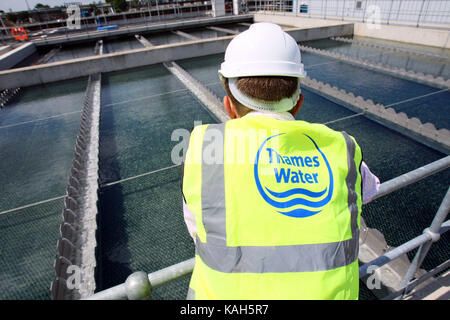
(13, 57)
(420, 36)
(75, 68)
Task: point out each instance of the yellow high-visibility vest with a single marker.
(277, 206)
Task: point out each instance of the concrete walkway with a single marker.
(438, 289)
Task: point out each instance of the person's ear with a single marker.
(230, 108)
(297, 107)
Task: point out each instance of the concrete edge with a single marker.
(75, 68)
(13, 57)
(144, 28)
(438, 139)
(438, 82)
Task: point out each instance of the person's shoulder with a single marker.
(316, 126)
(322, 130)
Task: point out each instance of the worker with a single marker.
(273, 203)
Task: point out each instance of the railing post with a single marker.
(421, 8)
(364, 13)
(390, 9)
(399, 7)
(433, 231)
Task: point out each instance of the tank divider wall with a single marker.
(76, 248)
(419, 77)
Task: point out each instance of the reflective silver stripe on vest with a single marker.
(213, 185)
(277, 259)
(264, 259)
(352, 176)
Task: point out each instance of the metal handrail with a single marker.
(409, 15)
(404, 248)
(139, 285)
(412, 176)
(414, 283)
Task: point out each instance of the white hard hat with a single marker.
(262, 50)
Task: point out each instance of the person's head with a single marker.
(262, 71)
(271, 89)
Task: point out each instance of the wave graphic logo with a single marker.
(285, 175)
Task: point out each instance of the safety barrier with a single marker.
(143, 27)
(427, 79)
(369, 44)
(139, 285)
(430, 235)
(19, 33)
(440, 138)
(139, 282)
(76, 248)
(424, 13)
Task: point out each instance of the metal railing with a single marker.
(155, 14)
(424, 242)
(139, 285)
(410, 12)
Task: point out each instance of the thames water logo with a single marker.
(297, 186)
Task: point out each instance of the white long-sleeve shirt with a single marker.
(370, 182)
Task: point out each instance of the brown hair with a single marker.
(263, 88)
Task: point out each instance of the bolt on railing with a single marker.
(139, 284)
